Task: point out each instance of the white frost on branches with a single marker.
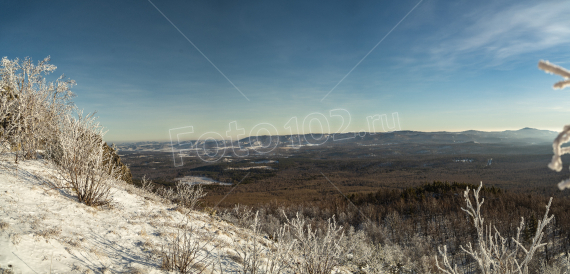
(564, 136)
(81, 162)
(318, 251)
(187, 195)
(556, 163)
(554, 69)
(31, 107)
(492, 252)
(37, 115)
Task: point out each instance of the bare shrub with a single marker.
(182, 253)
(255, 254)
(82, 164)
(493, 253)
(319, 252)
(188, 196)
(560, 265)
(147, 185)
(250, 253)
(357, 249)
(167, 194)
(35, 116)
(280, 252)
(240, 215)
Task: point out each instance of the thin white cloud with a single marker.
(500, 34)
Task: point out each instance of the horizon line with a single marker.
(355, 132)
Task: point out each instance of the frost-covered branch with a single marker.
(81, 160)
(31, 106)
(6, 128)
(554, 69)
(258, 255)
(447, 268)
(492, 252)
(316, 254)
(564, 136)
(147, 185)
(184, 251)
(187, 195)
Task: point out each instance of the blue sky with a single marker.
(448, 66)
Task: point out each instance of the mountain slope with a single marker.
(45, 230)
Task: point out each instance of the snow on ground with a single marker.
(45, 230)
(197, 180)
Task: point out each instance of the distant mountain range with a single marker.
(525, 136)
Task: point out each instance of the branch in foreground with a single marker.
(554, 69)
(564, 136)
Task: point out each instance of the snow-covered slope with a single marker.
(45, 230)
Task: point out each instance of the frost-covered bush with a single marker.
(182, 253)
(492, 252)
(82, 164)
(36, 117)
(317, 251)
(183, 195)
(146, 185)
(259, 255)
(250, 251)
(31, 106)
(188, 196)
(167, 194)
(240, 215)
(6, 126)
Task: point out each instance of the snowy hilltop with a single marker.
(45, 230)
